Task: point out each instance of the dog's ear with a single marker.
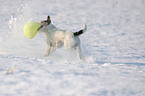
(48, 17)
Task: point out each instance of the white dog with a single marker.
(56, 38)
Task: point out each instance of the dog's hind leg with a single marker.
(52, 50)
(79, 53)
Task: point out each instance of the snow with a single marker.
(113, 46)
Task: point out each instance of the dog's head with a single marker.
(46, 22)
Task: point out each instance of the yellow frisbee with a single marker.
(30, 29)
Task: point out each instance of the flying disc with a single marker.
(30, 29)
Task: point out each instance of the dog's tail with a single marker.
(81, 31)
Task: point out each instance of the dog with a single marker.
(57, 38)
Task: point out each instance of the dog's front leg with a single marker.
(48, 50)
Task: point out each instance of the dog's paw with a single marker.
(46, 54)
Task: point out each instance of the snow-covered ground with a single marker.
(113, 46)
